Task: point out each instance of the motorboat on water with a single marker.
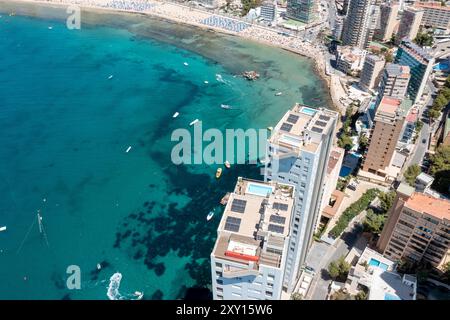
(210, 215)
(193, 122)
(186, 64)
(175, 114)
(50, 28)
(110, 77)
(128, 149)
(225, 198)
(225, 106)
(206, 82)
(99, 266)
(139, 294)
(279, 93)
(3, 228)
(227, 164)
(218, 173)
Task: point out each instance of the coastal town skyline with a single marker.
(229, 150)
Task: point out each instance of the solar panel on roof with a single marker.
(275, 228)
(292, 118)
(280, 206)
(321, 123)
(316, 129)
(324, 118)
(286, 127)
(232, 224)
(238, 205)
(277, 219)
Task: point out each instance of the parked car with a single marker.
(351, 186)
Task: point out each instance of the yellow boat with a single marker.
(218, 173)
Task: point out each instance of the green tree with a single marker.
(341, 294)
(361, 295)
(411, 174)
(424, 39)
(388, 57)
(440, 169)
(345, 142)
(363, 142)
(296, 296)
(374, 222)
(339, 269)
(419, 126)
(386, 200)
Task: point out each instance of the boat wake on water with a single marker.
(113, 289)
(219, 78)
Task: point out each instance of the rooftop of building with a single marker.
(350, 54)
(255, 210)
(334, 204)
(415, 50)
(431, 4)
(335, 155)
(424, 178)
(423, 203)
(376, 272)
(397, 70)
(302, 128)
(393, 107)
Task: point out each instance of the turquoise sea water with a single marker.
(65, 128)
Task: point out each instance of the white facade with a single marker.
(248, 259)
(298, 153)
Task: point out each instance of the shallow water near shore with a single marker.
(65, 128)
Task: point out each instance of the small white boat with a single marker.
(225, 106)
(128, 149)
(186, 64)
(193, 122)
(3, 228)
(206, 82)
(99, 266)
(50, 28)
(175, 114)
(210, 215)
(110, 77)
(278, 93)
(227, 164)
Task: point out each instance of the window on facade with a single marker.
(269, 293)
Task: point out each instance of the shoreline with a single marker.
(178, 13)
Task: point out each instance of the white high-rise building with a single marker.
(249, 256)
(298, 153)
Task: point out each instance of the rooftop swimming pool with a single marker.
(259, 189)
(376, 263)
(441, 66)
(345, 171)
(390, 296)
(308, 111)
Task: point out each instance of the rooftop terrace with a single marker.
(302, 128)
(255, 211)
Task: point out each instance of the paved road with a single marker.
(322, 254)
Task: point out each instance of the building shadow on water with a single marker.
(196, 293)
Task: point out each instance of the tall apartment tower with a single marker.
(269, 10)
(436, 15)
(370, 74)
(249, 257)
(388, 17)
(298, 152)
(301, 10)
(420, 63)
(388, 124)
(394, 81)
(409, 24)
(417, 228)
(356, 24)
